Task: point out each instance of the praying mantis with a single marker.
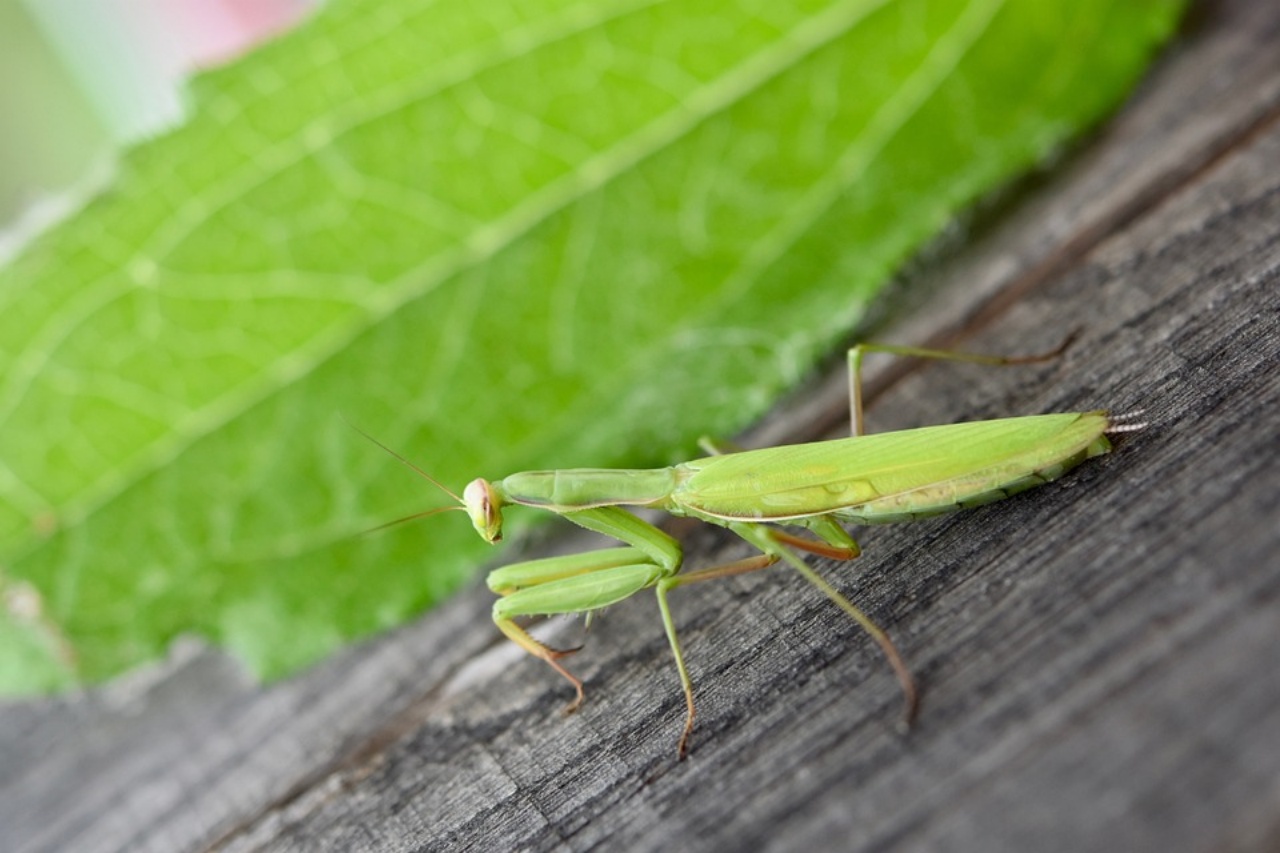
(865, 479)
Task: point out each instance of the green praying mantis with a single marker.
(865, 479)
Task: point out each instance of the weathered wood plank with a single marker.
(1097, 655)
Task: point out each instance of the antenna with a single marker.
(423, 474)
(415, 516)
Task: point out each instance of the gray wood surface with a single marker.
(1098, 657)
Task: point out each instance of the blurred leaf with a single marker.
(498, 237)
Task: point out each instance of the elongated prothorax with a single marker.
(582, 488)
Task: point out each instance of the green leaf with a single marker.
(496, 236)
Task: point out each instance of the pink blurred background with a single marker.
(79, 78)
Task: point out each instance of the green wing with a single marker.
(938, 464)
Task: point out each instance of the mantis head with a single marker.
(480, 500)
(484, 504)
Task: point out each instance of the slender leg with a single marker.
(768, 541)
(855, 365)
(750, 564)
(837, 544)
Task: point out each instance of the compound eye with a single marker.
(485, 509)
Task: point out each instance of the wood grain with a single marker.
(1098, 656)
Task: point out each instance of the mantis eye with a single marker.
(485, 508)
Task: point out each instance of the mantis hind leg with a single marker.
(836, 542)
(779, 546)
(855, 365)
